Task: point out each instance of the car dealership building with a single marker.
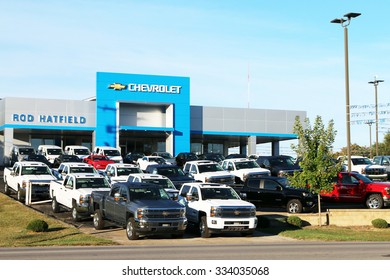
(144, 113)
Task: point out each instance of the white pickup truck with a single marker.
(208, 171)
(66, 168)
(217, 208)
(119, 172)
(23, 174)
(74, 192)
(243, 168)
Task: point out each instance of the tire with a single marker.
(19, 196)
(203, 228)
(55, 207)
(131, 229)
(374, 201)
(98, 221)
(6, 189)
(294, 206)
(75, 215)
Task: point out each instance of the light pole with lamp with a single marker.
(375, 82)
(345, 21)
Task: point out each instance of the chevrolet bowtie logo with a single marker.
(117, 86)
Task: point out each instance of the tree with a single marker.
(384, 147)
(314, 152)
(357, 150)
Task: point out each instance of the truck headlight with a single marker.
(183, 213)
(140, 213)
(245, 176)
(84, 199)
(253, 212)
(25, 184)
(387, 190)
(215, 212)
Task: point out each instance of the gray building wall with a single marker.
(244, 120)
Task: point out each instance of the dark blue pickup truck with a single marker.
(142, 208)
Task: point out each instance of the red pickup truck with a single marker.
(354, 187)
(98, 161)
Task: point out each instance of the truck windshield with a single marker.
(361, 161)
(128, 170)
(26, 151)
(210, 168)
(165, 183)
(92, 183)
(148, 194)
(218, 193)
(83, 152)
(54, 152)
(246, 164)
(171, 172)
(112, 153)
(35, 170)
(82, 170)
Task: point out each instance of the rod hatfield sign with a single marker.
(48, 119)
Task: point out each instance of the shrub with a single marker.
(379, 223)
(37, 226)
(263, 222)
(294, 221)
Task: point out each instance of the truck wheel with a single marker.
(54, 205)
(19, 196)
(6, 189)
(203, 228)
(98, 221)
(374, 201)
(294, 206)
(75, 215)
(131, 229)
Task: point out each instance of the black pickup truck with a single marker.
(142, 208)
(275, 192)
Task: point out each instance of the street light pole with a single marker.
(375, 82)
(369, 124)
(345, 21)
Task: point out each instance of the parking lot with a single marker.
(118, 234)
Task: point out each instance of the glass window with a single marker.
(270, 185)
(184, 190)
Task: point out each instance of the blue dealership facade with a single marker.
(144, 113)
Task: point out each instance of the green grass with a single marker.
(328, 233)
(15, 217)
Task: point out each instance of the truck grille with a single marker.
(40, 188)
(162, 213)
(374, 171)
(236, 212)
(221, 180)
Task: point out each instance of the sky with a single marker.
(284, 55)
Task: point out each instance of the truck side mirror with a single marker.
(243, 195)
(189, 197)
(117, 197)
